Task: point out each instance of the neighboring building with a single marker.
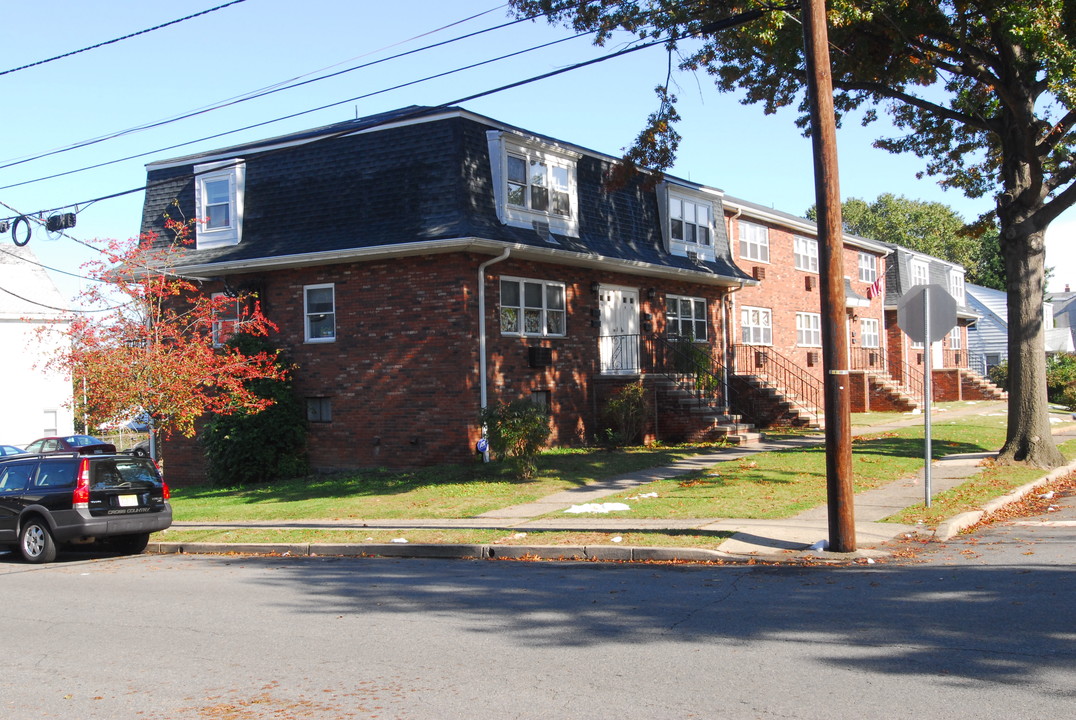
(37, 401)
(988, 338)
(422, 262)
(1063, 306)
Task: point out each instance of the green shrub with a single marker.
(626, 411)
(1060, 376)
(999, 375)
(258, 447)
(519, 430)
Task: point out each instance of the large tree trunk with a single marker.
(1028, 439)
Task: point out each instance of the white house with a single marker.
(988, 337)
(37, 402)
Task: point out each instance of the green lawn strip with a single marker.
(447, 491)
(781, 484)
(444, 536)
(994, 481)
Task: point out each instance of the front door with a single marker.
(619, 341)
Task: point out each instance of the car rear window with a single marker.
(123, 473)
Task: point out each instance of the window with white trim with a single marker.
(956, 339)
(805, 251)
(868, 332)
(218, 198)
(226, 314)
(956, 286)
(689, 221)
(534, 181)
(532, 307)
(809, 329)
(319, 310)
(756, 326)
(754, 241)
(686, 317)
(868, 267)
(920, 272)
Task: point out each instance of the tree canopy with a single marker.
(984, 91)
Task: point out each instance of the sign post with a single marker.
(926, 313)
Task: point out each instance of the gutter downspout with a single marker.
(482, 379)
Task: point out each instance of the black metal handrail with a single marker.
(675, 358)
(912, 380)
(764, 361)
(864, 358)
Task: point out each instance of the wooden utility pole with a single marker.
(842, 527)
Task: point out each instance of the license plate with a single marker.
(128, 500)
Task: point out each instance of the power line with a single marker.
(271, 89)
(732, 21)
(293, 115)
(125, 37)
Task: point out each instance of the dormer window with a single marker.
(534, 182)
(687, 220)
(218, 196)
(956, 286)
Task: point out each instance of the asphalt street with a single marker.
(979, 627)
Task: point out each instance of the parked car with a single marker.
(141, 449)
(50, 500)
(10, 450)
(82, 444)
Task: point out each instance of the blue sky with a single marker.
(259, 43)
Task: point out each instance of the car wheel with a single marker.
(139, 452)
(36, 543)
(130, 544)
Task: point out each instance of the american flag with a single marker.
(874, 289)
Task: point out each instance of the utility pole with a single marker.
(839, 495)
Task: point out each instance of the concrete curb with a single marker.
(959, 523)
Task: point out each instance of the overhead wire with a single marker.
(274, 88)
(124, 37)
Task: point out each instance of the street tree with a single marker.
(156, 347)
(929, 227)
(984, 91)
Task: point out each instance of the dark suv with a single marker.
(55, 499)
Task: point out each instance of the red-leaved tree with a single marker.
(156, 346)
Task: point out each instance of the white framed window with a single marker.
(920, 272)
(690, 221)
(956, 339)
(805, 251)
(319, 310)
(532, 307)
(868, 267)
(686, 317)
(809, 329)
(226, 315)
(534, 181)
(868, 332)
(754, 241)
(756, 326)
(219, 190)
(956, 286)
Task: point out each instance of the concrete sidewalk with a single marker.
(781, 539)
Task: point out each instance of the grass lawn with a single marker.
(764, 485)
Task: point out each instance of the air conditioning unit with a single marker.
(692, 256)
(809, 282)
(812, 359)
(759, 272)
(539, 357)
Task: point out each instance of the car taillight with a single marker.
(82, 489)
(167, 492)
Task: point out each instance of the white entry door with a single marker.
(619, 342)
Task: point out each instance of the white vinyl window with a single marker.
(319, 309)
(534, 181)
(532, 307)
(686, 317)
(218, 196)
(956, 340)
(868, 267)
(809, 329)
(920, 272)
(956, 286)
(689, 221)
(754, 241)
(756, 326)
(868, 332)
(806, 253)
(226, 314)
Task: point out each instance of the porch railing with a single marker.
(675, 358)
(764, 361)
(862, 358)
